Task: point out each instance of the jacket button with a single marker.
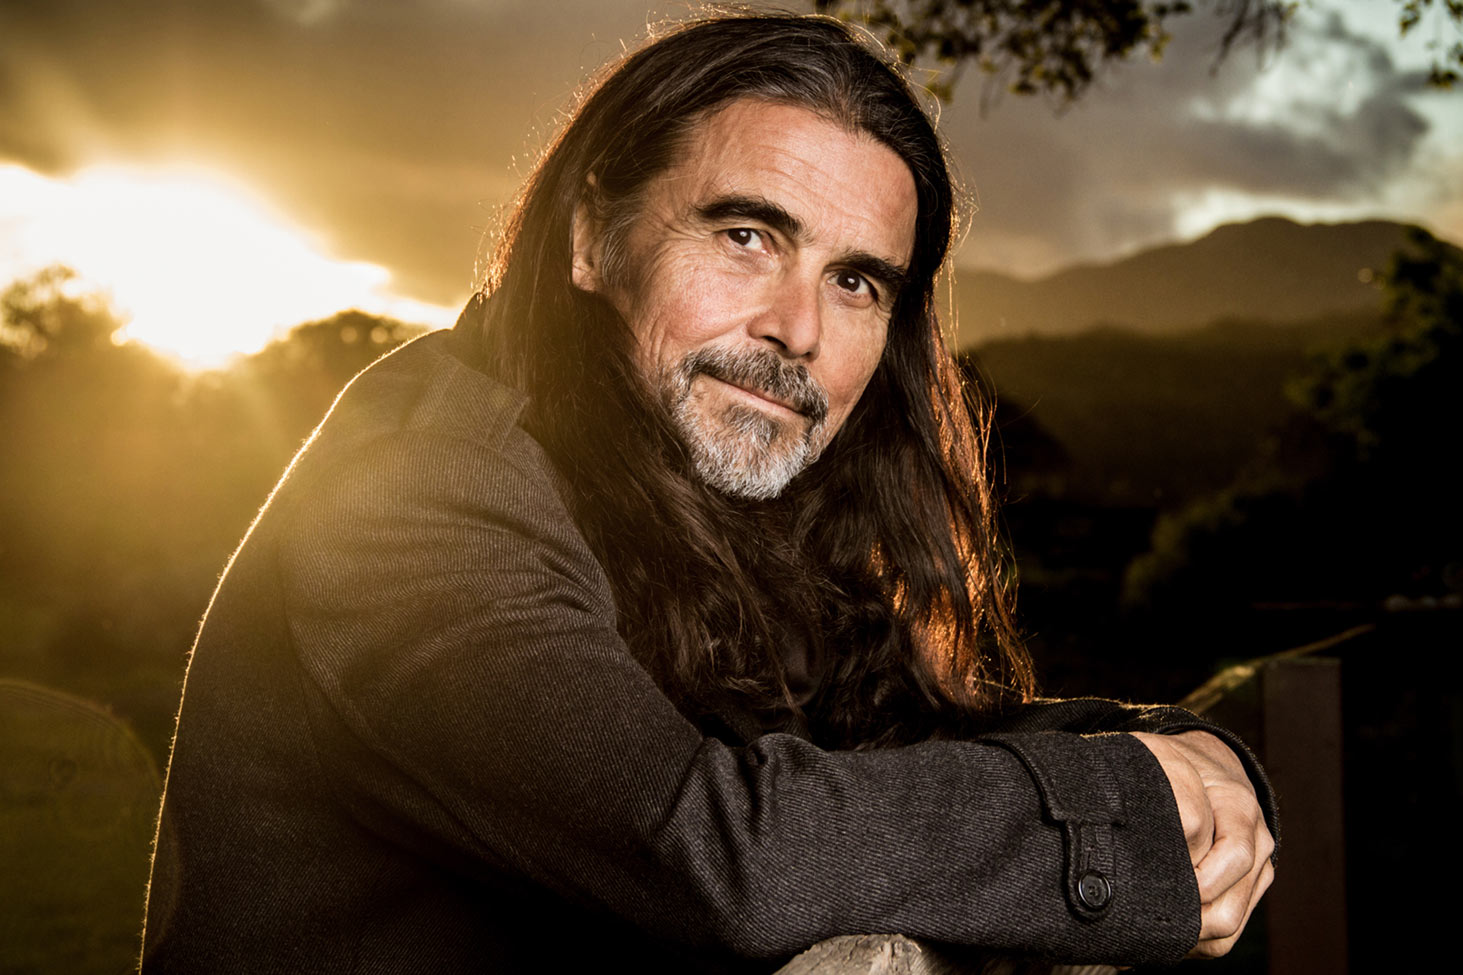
(1094, 891)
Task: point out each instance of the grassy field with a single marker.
(78, 799)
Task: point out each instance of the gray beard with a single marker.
(738, 449)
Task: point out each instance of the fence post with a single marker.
(1300, 716)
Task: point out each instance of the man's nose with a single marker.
(793, 318)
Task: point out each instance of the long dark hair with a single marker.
(881, 562)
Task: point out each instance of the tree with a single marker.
(1058, 47)
(1357, 500)
(52, 313)
(295, 378)
(1383, 396)
(1445, 69)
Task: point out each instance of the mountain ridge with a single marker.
(1269, 269)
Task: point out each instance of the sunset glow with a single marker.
(201, 268)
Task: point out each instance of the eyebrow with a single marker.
(753, 208)
(892, 276)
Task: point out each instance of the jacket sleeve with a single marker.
(1096, 716)
(470, 698)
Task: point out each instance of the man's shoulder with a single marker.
(420, 421)
(425, 392)
(422, 387)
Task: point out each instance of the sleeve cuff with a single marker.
(1125, 862)
(1175, 721)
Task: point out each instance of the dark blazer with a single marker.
(412, 741)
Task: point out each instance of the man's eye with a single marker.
(745, 237)
(854, 283)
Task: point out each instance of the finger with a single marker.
(1199, 832)
(1235, 852)
(1224, 916)
(1218, 932)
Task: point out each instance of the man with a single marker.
(655, 610)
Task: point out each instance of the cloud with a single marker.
(397, 129)
(1325, 125)
(306, 12)
(167, 245)
(1331, 116)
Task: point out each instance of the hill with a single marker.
(1272, 270)
(1153, 420)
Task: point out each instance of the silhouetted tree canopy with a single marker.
(1357, 499)
(1449, 62)
(52, 313)
(313, 362)
(126, 481)
(1058, 47)
(1023, 455)
(1383, 394)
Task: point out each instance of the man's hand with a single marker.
(1229, 843)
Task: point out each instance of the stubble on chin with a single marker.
(737, 449)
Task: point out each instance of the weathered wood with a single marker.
(1288, 708)
(1301, 715)
(866, 954)
(895, 954)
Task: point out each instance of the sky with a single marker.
(231, 168)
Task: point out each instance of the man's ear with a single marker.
(588, 252)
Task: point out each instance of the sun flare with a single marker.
(202, 269)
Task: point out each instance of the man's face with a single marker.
(758, 278)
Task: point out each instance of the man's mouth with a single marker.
(762, 395)
(762, 376)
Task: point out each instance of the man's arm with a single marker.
(471, 695)
(1224, 799)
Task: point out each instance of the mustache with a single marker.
(764, 371)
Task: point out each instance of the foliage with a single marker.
(334, 349)
(1374, 393)
(125, 482)
(76, 828)
(1446, 67)
(1356, 500)
(52, 313)
(1058, 47)
(1050, 47)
